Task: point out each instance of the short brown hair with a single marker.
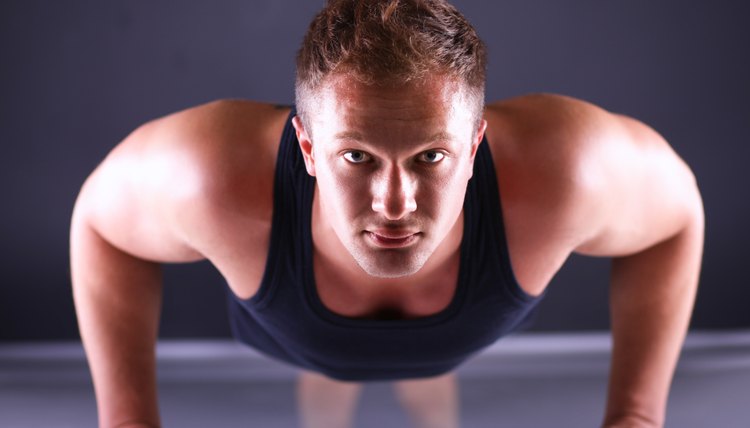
(390, 42)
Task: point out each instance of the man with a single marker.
(390, 226)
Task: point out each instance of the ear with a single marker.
(475, 144)
(305, 145)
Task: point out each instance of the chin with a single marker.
(386, 273)
(390, 263)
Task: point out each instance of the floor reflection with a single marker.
(530, 381)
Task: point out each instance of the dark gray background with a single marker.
(77, 76)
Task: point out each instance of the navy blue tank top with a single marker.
(286, 319)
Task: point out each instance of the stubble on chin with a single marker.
(390, 263)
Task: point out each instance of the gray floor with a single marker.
(530, 380)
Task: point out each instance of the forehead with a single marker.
(408, 111)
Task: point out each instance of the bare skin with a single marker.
(573, 178)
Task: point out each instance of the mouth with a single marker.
(396, 239)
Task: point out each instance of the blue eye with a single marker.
(432, 157)
(355, 156)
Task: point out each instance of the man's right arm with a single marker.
(124, 225)
(117, 299)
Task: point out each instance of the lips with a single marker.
(392, 238)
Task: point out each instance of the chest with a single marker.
(407, 299)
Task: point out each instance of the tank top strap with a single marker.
(490, 256)
(292, 190)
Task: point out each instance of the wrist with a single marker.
(631, 421)
(136, 424)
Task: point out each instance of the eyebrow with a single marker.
(353, 135)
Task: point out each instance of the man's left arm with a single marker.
(647, 214)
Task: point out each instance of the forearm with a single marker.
(651, 299)
(117, 298)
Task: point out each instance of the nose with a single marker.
(393, 194)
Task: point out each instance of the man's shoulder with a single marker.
(540, 120)
(544, 148)
(224, 124)
(544, 142)
(215, 163)
(220, 143)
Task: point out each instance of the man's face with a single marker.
(391, 166)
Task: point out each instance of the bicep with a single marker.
(642, 192)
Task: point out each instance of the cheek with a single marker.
(344, 193)
(443, 195)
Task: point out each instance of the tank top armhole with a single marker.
(268, 280)
(501, 241)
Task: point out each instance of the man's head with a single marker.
(390, 100)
